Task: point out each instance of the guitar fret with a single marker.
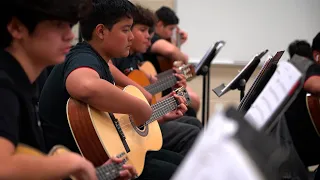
(162, 84)
(110, 171)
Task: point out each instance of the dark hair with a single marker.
(106, 12)
(316, 43)
(167, 16)
(32, 12)
(301, 48)
(144, 16)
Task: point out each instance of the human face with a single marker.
(118, 40)
(141, 35)
(48, 43)
(165, 32)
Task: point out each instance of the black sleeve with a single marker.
(9, 113)
(314, 70)
(82, 60)
(116, 62)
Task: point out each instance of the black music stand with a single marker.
(247, 101)
(203, 68)
(240, 81)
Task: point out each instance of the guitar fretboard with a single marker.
(165, 73)
(162, 84)
(165, 106)
(109, 171)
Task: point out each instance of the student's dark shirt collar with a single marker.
(16, 72)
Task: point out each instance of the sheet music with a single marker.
(283, 80)
(217, 156)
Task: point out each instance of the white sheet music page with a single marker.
(275, 92)
(217, 156)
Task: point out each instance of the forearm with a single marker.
(123, 81)
(106, 97)
(179, 56)
(35, 168)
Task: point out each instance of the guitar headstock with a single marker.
(188, 71)
(183, 92)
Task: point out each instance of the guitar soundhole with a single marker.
(141, 130)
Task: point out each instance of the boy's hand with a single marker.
(181, 81)
(127, 172)
(177, 113)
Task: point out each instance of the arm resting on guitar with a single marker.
(312, 85)
(85, 84)
(168, 50)
(122, 80)
(21, 166)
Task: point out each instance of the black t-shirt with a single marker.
(19, 118)
(304, 136)
(152, 57)
(54, 94)
(128, 64)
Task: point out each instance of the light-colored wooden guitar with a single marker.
(104, 172)
(162, 83)
(100, 135)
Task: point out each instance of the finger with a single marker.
(131, 169)
(181, 99)
(179, 113)
(125, 174)
(183, 108)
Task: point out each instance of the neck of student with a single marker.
(30, 67)
(131, 51)
(97, 47)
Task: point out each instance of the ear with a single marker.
(159, 24)
(316, 55)
(101, 31)
(16, 28)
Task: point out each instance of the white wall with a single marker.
(247, 26)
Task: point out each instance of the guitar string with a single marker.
(125, 126)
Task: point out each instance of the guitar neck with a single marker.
(162, 84)
(165, 73)
(165, 106)
(109, 171)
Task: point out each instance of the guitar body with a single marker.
(25, 149)
(148, 68)
(98, 139)
(313, 106)
(165, 64)
(142, 79)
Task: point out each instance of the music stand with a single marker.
(239, 82)
(203, 68)
(260, 82)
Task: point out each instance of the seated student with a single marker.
(316, 48)
(180, 134)
(35, 34)
(303, 133)
(162, 48)
(85, 75)
(301, 48)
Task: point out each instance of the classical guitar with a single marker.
(161, 84)
(100, 135)
(104, 172)
(313, 106)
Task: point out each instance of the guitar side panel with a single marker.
(313, 106)
(84, 132)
